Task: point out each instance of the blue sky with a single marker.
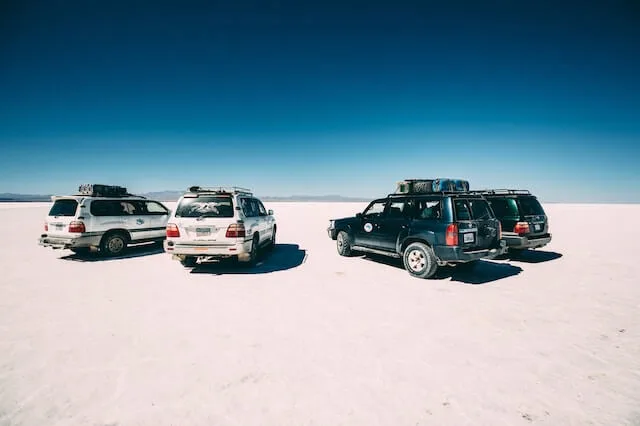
(291, 97)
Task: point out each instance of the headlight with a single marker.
(332, 224)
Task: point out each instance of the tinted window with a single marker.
(376, 208)
(209, 206)
(64, 208)
(259, 207)
(462, 210)
(505, 208)
(428, 209)
(480, 209)
(530, 206)
(117, 207)
(397, 209)
(248, 207)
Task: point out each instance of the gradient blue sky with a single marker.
(300, 97)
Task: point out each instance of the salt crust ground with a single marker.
(311, 338)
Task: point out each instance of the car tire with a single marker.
(189, 261)
(343, 244)
(420, 260)
(113, 244)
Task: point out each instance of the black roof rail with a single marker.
(422, 194)
(502, 191)
(221, 189)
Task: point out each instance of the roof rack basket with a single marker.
(105, 191)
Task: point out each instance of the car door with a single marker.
(366, 232)
(266, 221)
(394, 220)
(106, 215)
(154, 219)
(251, 214)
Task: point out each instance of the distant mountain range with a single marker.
(174, 195)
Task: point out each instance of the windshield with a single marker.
(64, 208)
(207, 206)
(530, 206)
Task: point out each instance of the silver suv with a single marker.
(219, 223)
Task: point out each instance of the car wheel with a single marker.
(343, 244)
(420, 260)
(189, 261)
(113, 244)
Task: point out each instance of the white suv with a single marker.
(219, 223)
(103, 218)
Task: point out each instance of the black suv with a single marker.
(425, 230)
(524, 222)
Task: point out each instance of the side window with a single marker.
(397, 209)
(480, 209)
(247, 207)
(504, 208)
(262, 211)
(375, 209)
(154, 208)
(128, 207)
(105, 208)
(428, 209)
(462, 210)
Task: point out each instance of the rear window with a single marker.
(209, 206)
(529, 206)
(505, 208)
(64, 208)
(480, 209)
(462, 210)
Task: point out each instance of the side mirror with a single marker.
(270, 212)
(359, 215)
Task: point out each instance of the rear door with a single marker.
(62, 213)
(506, 210)
(532, 212)
(204, 218)
(477, 225)
(105, 215)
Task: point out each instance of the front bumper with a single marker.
(458, 255)
(208, 249)
(59, 243)
(332, 233)
(522, 243)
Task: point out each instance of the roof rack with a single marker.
(502, 191)
(104, 191)
(427, 194)
(221, 189)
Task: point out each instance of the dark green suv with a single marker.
(524, 222)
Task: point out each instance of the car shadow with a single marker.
(483, 272)
(130, 252)
(533, 256)
(281, 258)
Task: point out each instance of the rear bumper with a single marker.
(458, 255)
(212, 250)
(59, 243)
(518, 242)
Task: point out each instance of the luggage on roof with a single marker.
(99, 190)
(425, 186)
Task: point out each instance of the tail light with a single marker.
(172, 230)
(77, 226)
(521, 228)
(236, 230)
(46, 226)
(451, 236)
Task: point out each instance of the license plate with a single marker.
(468, 237)
(59, 227)
(201, 248)
(537, 227)
(203, 232)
